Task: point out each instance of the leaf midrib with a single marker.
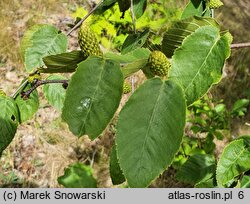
(149, 127)
(232, 163)
(93, 97)
(204, 62)
(46, 51)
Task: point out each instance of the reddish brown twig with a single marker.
(37, 83)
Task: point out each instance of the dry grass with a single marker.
(43, 146)
(16, 16)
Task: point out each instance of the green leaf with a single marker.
(198, 63)
(116, 174)
(234, 160)
(240, 105)
(39, 42)
(93, 95)
(124, 5)
(26, 41)
(137, 54)
(27, 107)
(139, 6)
(55, 93)
(107, 4)
(132, 61)
(150, 130)
(206, 184)
(133, 67)
(9, 118)
(245, 182)
(78, 176)
(220, 108)
(175, 35)
(195, 8)
(199, 167)
(246, 139)
(61, 63)
(134, 41)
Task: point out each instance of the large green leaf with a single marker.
(199, 167)
(78, 176)
(150, 130)
(116, 174)
(65, 62)
(134, 41)
(55, 93)
(139, 6)
(175, 35)
(93, 95)
(195, 8)
(26, 41)
(9, 118)
(27, 107)
(234, 160)
(41, 41)
(245, 182)
(105, 5)
(198, 63)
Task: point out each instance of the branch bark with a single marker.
(240, 45)
(84, 18)
(26, 94)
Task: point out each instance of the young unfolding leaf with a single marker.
(9, 118)
(132, 61)
(150, 130)
(78, 176)
(65, 62)
(115, 169)
(131, 57)
(41, 41)
(55, 93)
(175, 35)
(133, 67)
(198, 63)
(93, 95)
(27, 107)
